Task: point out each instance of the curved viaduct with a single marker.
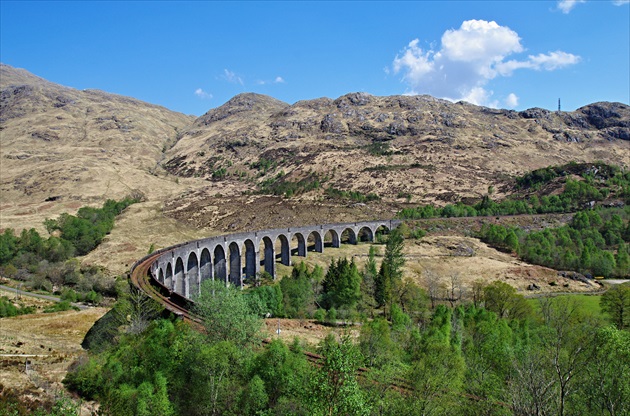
(235, 257)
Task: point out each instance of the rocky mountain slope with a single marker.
(62, 148)
(401, 148)
(256, 162)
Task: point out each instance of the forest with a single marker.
(391, 353)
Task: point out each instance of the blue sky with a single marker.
(193, 56)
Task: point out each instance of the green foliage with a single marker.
(8, 308)
(298, 296)
(616, 303)
(502, 299)
(281, 185)
(64, 305)
(585, 245)
(227, 314)
(86, 230)
(341, 287)
(334, 386)
(351, 195)
(268, 299)
(610, 181)
(389, 278)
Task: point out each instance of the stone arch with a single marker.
(331, 239)
(318, 242)
(220, 271)
(179, 277)
(269, 261)
(250, 259)
(235, 264)
(192, 275)
(205, 266)
(300, 250)
(161, 276)
(168, 277)
(348, 236)
(365, 234)
(285, 251)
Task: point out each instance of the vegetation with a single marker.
(597, 182)
(47, 263)
(8, 308)
(352, 195)
(497, 358)
(280, 185)
(594, 242)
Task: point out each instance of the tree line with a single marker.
(49, 264)
(496, 357)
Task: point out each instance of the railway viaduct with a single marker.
(235, 257)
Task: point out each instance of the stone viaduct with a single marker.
(234, 257)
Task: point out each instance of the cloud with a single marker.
(620, 2)
(202, 94)
(567, 5)
(231, 77)
(468, 59)
(277, 80)
(511, 101)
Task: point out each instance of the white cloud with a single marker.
(231, 76)
(511, 101)
(620, 2)
(468, 59)
(277, 80)
(548, 62)
(202, 94)
(567, 5)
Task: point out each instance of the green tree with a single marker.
(502, 299)
(335, 390)
(226, 314)
(390, 274)
(616, 303)
(298, 295)
(342, 285)
(605, 389)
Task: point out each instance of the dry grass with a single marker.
(50, 343)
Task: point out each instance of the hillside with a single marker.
(256, 162)
(63, 148)
(401, 148)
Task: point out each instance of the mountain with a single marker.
(76, 147)
(401, 148)
(256, 162)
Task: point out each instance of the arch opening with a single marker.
(205, 266)
(192, 275)
(268, 256)
(282, 249)
(298, 243)
(235, 265)
(314, 242)
(331, 239)
(220, 271)
(381, 234)
(348, 236)
(250, 260)
(179, 277)
(365, 235)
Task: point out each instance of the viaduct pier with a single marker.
(235, 257)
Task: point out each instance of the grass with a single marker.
(587, 304)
